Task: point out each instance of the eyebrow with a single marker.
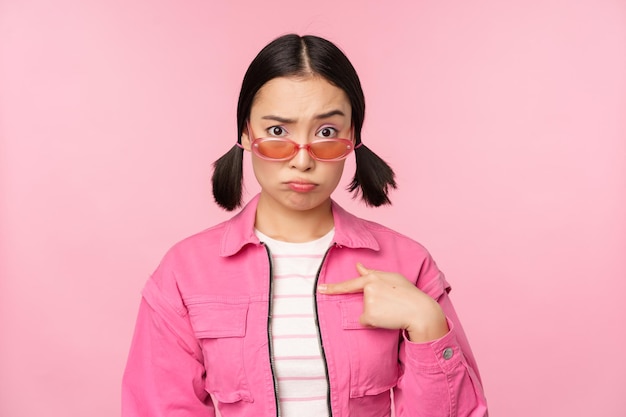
(316, 117)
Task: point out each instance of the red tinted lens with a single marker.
(329, 149)
(275, 148)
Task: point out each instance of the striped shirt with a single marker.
(298, 365)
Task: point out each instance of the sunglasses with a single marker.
(284, 149)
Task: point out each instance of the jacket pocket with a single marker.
(374, 352)
(221, 330)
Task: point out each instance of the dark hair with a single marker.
(293, 55)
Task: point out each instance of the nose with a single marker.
(302, 160)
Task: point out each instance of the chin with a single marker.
(306, 201)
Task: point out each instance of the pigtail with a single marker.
(227, 179)
(372, 177)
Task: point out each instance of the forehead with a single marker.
(299, 97)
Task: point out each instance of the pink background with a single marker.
(505, 122)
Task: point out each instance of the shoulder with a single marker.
(191, 254)
(206, 241)
(385, 232)
(394, 244)
(186, 264)
(384, 236)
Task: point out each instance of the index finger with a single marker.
(350, 286)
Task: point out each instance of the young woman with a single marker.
(295, 307)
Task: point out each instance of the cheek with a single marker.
(335, 171)
(258, 166)
(264, 170)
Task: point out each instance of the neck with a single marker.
(281, 223)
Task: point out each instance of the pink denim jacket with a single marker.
(201, 338)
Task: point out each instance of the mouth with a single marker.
(301, 186)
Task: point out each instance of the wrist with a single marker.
(430, 326)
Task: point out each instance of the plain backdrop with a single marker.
(504, 120)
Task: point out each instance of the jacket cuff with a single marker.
(443, 354)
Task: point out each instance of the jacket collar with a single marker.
(350, 231)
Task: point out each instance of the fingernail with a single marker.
(322, 288)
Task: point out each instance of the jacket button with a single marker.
(447, 353)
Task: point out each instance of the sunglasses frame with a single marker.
(255, 143)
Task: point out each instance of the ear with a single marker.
(245, 139)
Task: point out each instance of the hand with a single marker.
(390, 301)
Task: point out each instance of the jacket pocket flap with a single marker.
(217, 320)
(351, 310)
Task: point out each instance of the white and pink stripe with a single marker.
(298, 364)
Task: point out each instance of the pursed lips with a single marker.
(301, 185)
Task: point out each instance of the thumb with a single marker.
(361, 269)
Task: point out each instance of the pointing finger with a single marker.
(346, 287)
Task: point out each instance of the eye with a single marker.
(276, 131)
(327, 132)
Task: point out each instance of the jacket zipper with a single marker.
(319, 331)
(269, 330)
(317, 326)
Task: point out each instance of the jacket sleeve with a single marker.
(164, 374)
(439, 378)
